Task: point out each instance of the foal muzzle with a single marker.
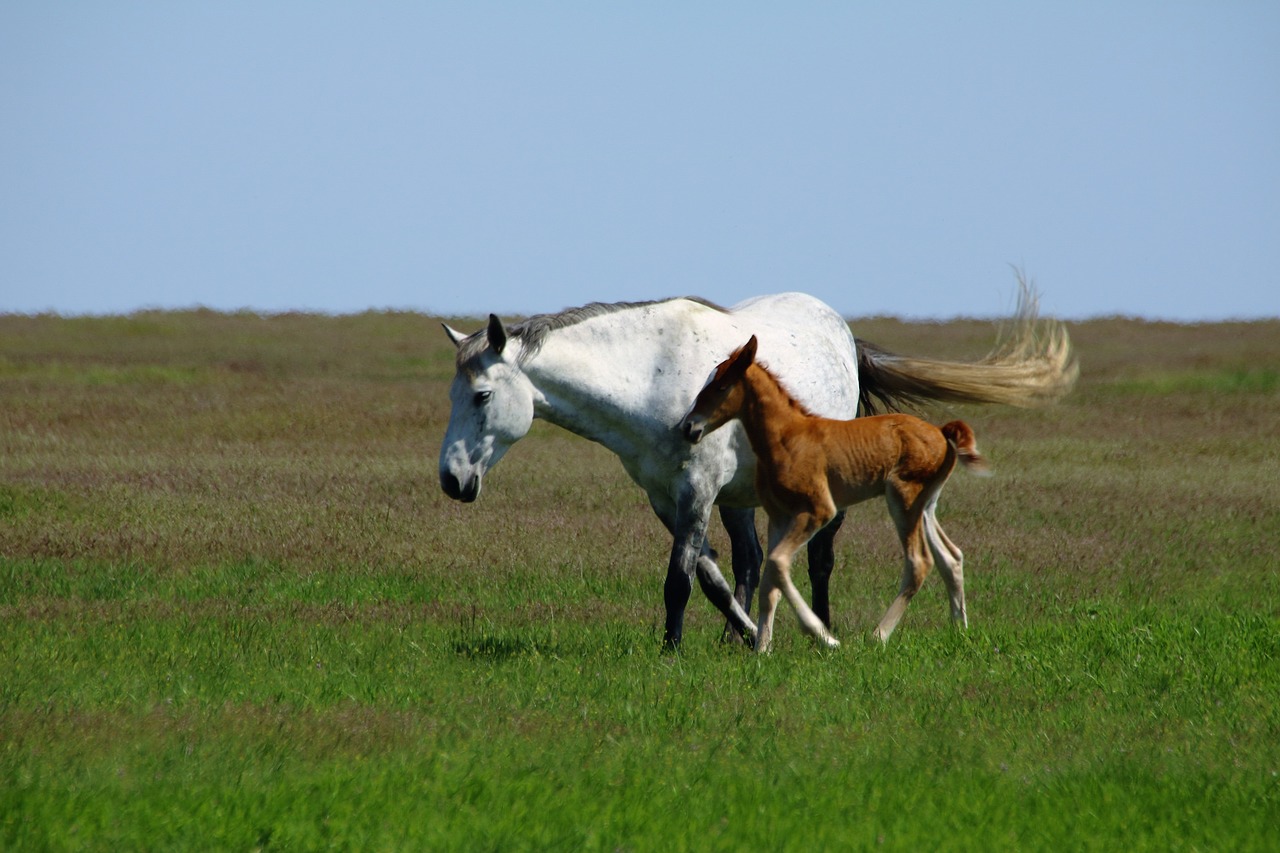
(693, 429)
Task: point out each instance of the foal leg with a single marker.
(746, 556)
(822, 559)
(916, 563)
(950, 566)
(785, 539)
(770, 592)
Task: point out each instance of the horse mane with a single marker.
(534, 330)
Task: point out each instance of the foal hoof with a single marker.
(831, 642)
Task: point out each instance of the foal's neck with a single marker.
(767, 409)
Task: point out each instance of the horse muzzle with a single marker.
(465, 491)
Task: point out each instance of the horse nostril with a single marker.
(691, 432)
(454, 488)
(451, 486)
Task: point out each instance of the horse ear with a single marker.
(497, 334)
(454, 335)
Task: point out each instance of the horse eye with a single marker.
(482, 397)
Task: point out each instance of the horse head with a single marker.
(720, 399)
(491, 408)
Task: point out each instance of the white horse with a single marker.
(625, 374)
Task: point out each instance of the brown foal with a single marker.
(809, 467)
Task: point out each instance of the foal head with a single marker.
(720, 400)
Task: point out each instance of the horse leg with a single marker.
(950, 562)
(676, 590)
(689, 556)
(716, 589)
(785, 539)
(746, 556)
(917, 560)
(822, 559)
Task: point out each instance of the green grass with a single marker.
(237, 613)
(383, 727)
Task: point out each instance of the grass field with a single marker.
(236, 612)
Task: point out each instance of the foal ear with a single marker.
(743, 358)
(746, 355)
(497, 334)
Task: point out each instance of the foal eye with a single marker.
(482, 397)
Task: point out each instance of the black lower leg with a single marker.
(676, 595)
(746, 556)
(822, 559)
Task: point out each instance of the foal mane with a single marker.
(782, 390)
(534, 330)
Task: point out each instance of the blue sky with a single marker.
(462, 158)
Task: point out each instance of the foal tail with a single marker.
(961, 435)
(1035, 365)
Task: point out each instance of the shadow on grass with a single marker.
(475, 637)
(497, 646)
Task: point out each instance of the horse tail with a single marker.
(960, 435)
(1035, 365)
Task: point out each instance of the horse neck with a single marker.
(767, 410)
(581, 385)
